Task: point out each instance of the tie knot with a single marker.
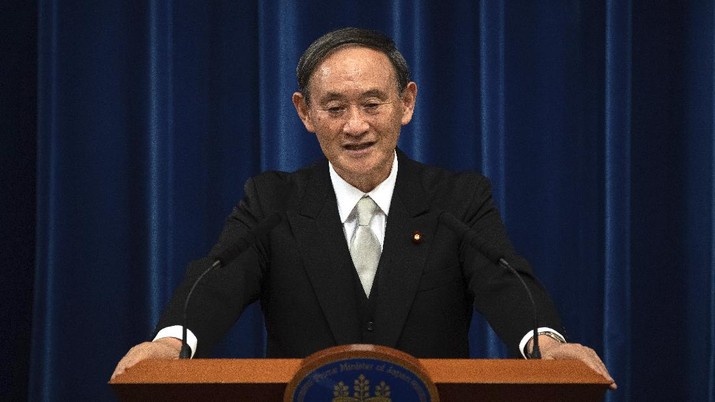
(366, 208)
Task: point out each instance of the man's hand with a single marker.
(163, 348)
(551, 349)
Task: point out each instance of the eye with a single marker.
(372, 107)
(334, 110)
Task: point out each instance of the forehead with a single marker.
(353, 68)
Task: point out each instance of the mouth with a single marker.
(358, 147)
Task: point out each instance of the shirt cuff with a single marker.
(529, 335)
(175, 331)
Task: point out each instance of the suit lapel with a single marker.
(319, 232)
(320, 236)
(403, 259)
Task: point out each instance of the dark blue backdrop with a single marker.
(595, 121)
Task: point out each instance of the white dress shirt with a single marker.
(348, 196)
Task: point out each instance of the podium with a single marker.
(266, 380)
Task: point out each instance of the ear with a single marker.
(302, 108)
(409, 98)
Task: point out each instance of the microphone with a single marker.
(222, 258)
(229, 253)
(488, 250)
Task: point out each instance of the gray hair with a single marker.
(328, 43)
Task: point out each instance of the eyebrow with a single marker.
(375, 93)
(331, 96)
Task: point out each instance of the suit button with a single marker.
(370, 326)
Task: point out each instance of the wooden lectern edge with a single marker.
(208, 371)
(442, 371)
(511, 371)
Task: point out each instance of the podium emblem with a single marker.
(361, 392)
(361, 373)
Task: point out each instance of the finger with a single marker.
(601, 367)
(592, 360)
(586, 355)
(121, 367)
(126, 362)
(133, 356)
(595, 362)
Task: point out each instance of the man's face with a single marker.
(356, 113)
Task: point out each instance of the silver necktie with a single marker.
(364, 247)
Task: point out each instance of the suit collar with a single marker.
(409, 188)
(317, 192)
(347, 195)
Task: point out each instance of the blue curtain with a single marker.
(594, 120)
(18, 111)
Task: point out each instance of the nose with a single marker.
(355, 123)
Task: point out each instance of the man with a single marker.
(362, 253)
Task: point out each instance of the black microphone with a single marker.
(488, 250)
(221, 258)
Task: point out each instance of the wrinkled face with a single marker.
(356, 112)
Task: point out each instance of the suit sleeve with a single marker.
(222, 295)
(498, 294)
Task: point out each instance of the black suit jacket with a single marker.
(304, 277)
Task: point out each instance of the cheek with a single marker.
(327, 138)
(391, 130)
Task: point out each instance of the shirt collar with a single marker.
(348, 196)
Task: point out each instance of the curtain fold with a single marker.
(594, 122)
(698, 176)
(492, 148)
(617, 202)
(159, 145)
